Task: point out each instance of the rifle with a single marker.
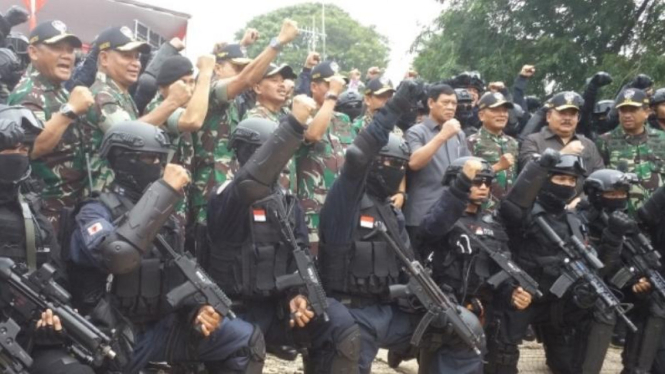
(198, 284)
(582, 263)
(509, 269)
(13, 359)
(37, 291)
(306, 275)
(641, 260)
(438, 305)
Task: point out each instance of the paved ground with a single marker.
(532, 361)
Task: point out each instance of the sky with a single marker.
(399, 20)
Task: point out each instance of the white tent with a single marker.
(87, 18)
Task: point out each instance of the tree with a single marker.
(567, 40)
(349, 43)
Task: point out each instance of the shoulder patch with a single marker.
(222, 187)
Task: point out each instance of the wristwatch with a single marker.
(331, 96)
(67, 111)
(275, 44)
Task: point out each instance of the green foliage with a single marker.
(349, 43)
(567, 40)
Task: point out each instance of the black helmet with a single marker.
(250, 134)
(468, 79)
(14, 167)
(396, 148)
(389, 168)
(253, 131)
(137, 154)
(30, 124)
(603, 107)
(658, 97)
(570, 165)
(533, 103)
(11, 68)
(350, 102)
(456, 167)
(606, 180)
(135, 136)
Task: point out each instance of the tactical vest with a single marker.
(463, 266)
(537, 255)
(25, 235)
(248, 270)
(367, 267)
(139, 295)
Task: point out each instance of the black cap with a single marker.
(174, 68)
(284, 70)
(378, 86)
(233, 53)
(565, 100)
(52, 32)
(120, 39)
(494, 100)
(632, 97)
(327, 70)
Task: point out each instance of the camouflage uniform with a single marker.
(362, 122)
(259, 111)
(213, 161)
(111, 106)
(491, 147)
(642, 154)
(63, 169)
(317, 167)
(182, 153)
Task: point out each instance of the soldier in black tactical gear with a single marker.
(542, 191)
(350, 102)
(605, 210)
(456, 259)
(11, 65)
(657, 104)
(357, 267)
(256, 228)
(27, 238)
(115, 235)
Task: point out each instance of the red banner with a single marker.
(33, 7)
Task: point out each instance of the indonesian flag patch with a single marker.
(259, 215)
(94, 228)
(367, 222)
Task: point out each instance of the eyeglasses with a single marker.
(479, 181)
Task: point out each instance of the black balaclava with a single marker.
(383, 181)
(554, 197)
(134, 175)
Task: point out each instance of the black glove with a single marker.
(584, 296)
(16, 15)
(549, 158)
(620, 223)
(601, 79)
(642, 82)
(47, 336)
(407, 95)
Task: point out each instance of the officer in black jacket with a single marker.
(250, 251)
(113, 238)
(28, 239)
(357, 267)
(542, 190)
(605, 210)
(456, 259)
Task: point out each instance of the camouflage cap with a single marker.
(232, 53)
(327, 70)
(284, 70)
(632, 97)
(378, 86)
(52, 32)
(494, 100)
(565, 100)
(121, 39)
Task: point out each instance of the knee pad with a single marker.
(257, 346)
(502, 354)
(349, 344)
(58, 362)
(347, 352)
